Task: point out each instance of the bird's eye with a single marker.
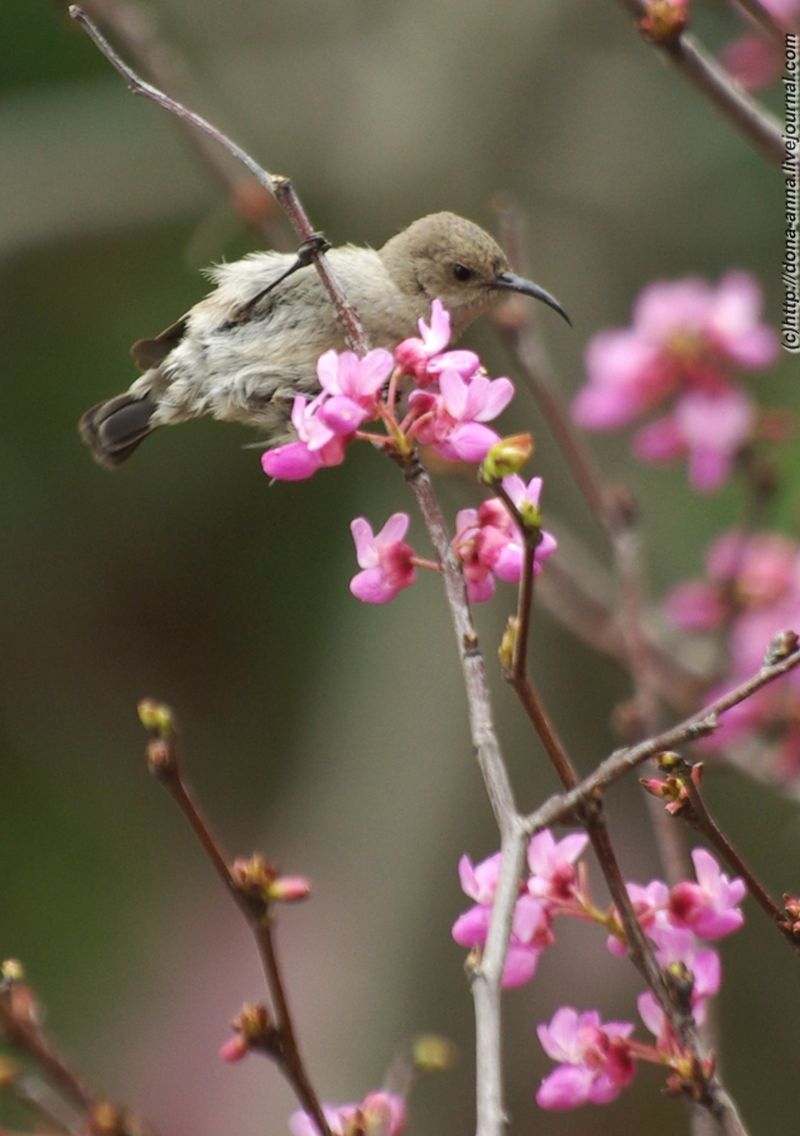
(462, 273)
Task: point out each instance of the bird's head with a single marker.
(443, 256)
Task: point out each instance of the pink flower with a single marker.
(379, 1114)
(552, 864)
(530, 935)
(479, 881)
(750, 574)
(710, 429)
(453, 419)
(530, 929)
(688, 341)
(488, 541)
(318, 444)
(426, 358)
(678, 947)
(752, 591)
(695, 606)
(352, 385)
(756, 59)
(710, 907)
(649, 904)
(387, 561)
(596, 1062)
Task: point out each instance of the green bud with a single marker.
(506, 457)
(156, 717)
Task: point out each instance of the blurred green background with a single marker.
(330, 735)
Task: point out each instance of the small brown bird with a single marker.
(249, 347)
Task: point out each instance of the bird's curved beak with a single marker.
(513, 283)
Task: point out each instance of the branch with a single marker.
(26, 1036)
(622, 761)
(162, 758)
(279, 187)
(135, 26)
(761, 129)
(491, 1118)
(769, 23)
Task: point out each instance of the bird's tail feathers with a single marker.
(112, 430)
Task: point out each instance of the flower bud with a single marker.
(8, 1074)
(160, 757)
(665, 20)
(506, 457)
(234, 1049)
(156, 717)
(254, 876)
(781, 646)
(433, 1054)
(288, 889)
(11, 970)
(508, 644)
(107, 1120)
(252, 1029)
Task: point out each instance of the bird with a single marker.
(248, 348)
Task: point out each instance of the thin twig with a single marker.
(527, 353)
(619, 763)
(766, 20)
(699, 816)
(761, 129)
(279, 187)
(135, 26)
(260, 922)
(28, 1038)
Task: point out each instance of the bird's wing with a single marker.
(149, 353)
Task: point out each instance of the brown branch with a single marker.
(697, 814)
(525, 349)
(761, 129)
(705, 1086)
(28, 1038)
(164, 764)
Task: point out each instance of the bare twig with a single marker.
(135, 26)
(622, 761)
(28, 1038)
(517, 333)
(766, 20)
(279, 187)
(697, 814)
(163, 761)
(761, 129)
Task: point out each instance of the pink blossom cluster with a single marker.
(452, 401)
(756, 58)
(750, 593)
(379, 1114)
(687, 345)
(488, 542)
(596, 1061)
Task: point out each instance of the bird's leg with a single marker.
(314, 244)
